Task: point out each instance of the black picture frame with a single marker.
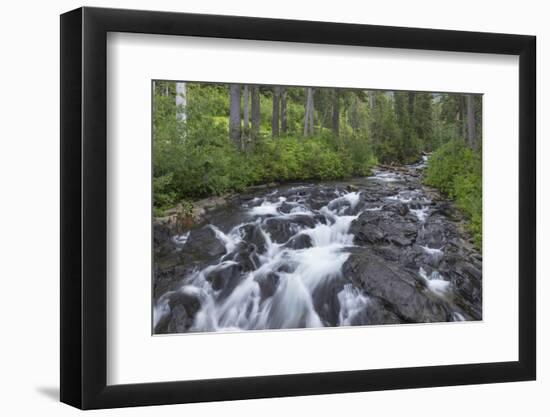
(84, 207)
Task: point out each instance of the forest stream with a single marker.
(382, 249)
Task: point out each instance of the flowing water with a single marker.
(375, 251)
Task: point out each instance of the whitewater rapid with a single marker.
(279, 263)
(300, 272)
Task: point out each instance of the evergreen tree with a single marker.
(422, 120)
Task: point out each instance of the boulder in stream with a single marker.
(395, 286)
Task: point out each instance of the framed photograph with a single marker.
(255, 208)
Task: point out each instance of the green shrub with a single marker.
(456, 170)
(194, 157)
(163, 194)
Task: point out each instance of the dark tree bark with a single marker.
(246, 112)
(308, 119)
(354, 116)
(284, 127)
(336, 112)
(464, 119)
(372, 99)
(275, 114)
(311, 112)
(235, 113)
(255, 111)
(461, 117)
(411, 105)
(306, 113)
(470, 114)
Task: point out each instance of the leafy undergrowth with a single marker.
(456, 170)
(210, 165)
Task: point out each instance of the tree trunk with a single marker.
(246, 112)
(284, 127)
(471, 115)
(354, 116)
(308, 119)
(275, 114)
(306, 113)
(255, 110)
(460, 118)
(411, 106)
(372, 97)
(336, 112)
(181, 102)
(311, 113)
(235, 113)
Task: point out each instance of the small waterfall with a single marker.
(267, 208)
(230, 240)
(181, 240)
(458, 317)
(352, 303)
(385, 176)
(297, 274)
(421, 213)
(435, 283)
(435, 254)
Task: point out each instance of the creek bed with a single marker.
(377, 250)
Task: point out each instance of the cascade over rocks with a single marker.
(377, 250)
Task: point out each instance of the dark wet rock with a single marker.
(376, 312)
(469, 269)
(244, 197)
(339, 205)
(252, 234)
(286, 207)
(399, 232)
(468, 291)
(370, 198)
(246, 256)
(389, 252)
(372, 228)
(435, 234)
(396, 286)
(203, 241)
(282, 229)
(325, 300)
(400, 208)
(169, 279)
(300, 241)
(286, 268)
(183, 307)
(318, 203)
(400, 239)
(366, 232)
(162, 239)
(268, 284)
(423, 258)
(225, 277)
(447, 209)
(477, 256)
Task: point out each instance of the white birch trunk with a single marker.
(181, 101)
